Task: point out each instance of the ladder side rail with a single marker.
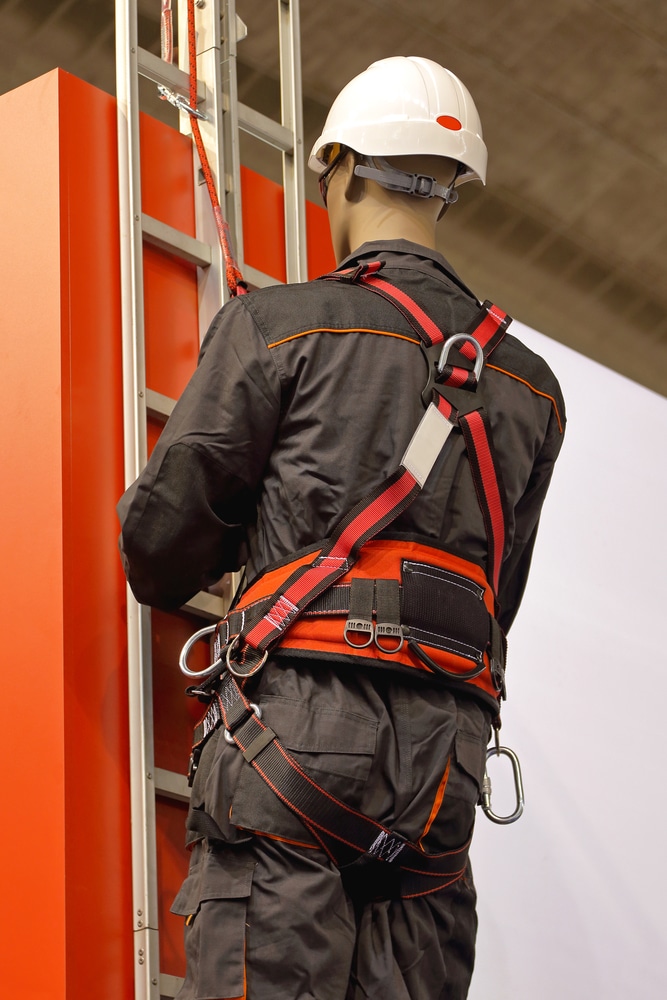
(294, 182)
(218, 98)
(233, 29)
(142, 797)
(212, 287)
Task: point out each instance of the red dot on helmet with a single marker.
(448, 121)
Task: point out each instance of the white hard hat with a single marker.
(406, 105)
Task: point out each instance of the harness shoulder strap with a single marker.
(380, 507)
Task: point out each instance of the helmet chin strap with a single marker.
(419, 185)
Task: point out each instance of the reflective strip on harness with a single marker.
(427, 443)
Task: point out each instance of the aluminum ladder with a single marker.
(219, 30)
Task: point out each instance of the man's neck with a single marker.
(385, 223)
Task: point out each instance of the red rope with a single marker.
(235, 282)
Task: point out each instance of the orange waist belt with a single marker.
(403, 604)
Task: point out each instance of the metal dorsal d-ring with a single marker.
(497, 751)
(183, 658)
(457, 339)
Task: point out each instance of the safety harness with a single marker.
(434, 612)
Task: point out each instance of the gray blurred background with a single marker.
(570, 234)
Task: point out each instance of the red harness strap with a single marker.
(379, 508)
(369, 516)
(488, 329)
(366, 275)
(487, 479)
(347, 836)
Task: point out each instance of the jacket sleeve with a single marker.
(183, 521)
(516, 566)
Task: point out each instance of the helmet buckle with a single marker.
(422, 186)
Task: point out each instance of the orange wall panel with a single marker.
(170, 285)
(166, 175)
(98, 889)
(65, 723)
(170, 316)
(32, 840)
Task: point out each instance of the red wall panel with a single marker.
(63, 708)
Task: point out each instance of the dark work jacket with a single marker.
(305, 397)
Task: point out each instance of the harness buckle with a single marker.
(362, 625)
(394, 631)
(498, 675)
(229, 733)
(376, 874)
(354, 276)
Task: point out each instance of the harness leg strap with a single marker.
(348, 837)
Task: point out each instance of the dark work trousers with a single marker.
(268, 916)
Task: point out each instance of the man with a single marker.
(375, 692)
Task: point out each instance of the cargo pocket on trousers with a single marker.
(214, 901)
(335, 748)
(470, 755)
(456, 818)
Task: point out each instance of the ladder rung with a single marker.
(169, 75)
(159, 406)
(169, 986)
(173, 241)
(258, 279)
(172, 785)
(265, 128)
(206, 606)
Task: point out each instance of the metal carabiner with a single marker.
(183, 658)
(180, 103)
(497, 751)
(452, 342)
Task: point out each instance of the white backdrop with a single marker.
(572, 896)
